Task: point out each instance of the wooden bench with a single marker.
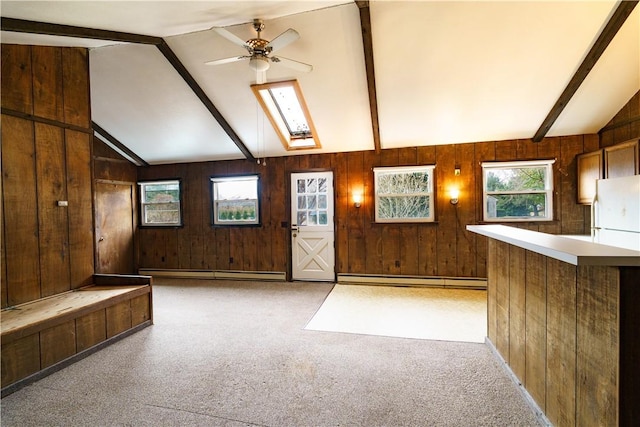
(42, 336)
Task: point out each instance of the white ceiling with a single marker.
(445, 71)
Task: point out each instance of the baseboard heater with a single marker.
(214, 274)
(427, 281)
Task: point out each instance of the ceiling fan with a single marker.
(260, 51)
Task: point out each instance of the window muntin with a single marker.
(160, 203)
(518, 191)
(287, 111)
(235, 200)
(404, 194)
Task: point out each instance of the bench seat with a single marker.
(44, 335)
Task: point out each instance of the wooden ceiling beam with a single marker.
(195, 87)
(119, 145)
(45, 28)
(367, 44)
(612, 27)
(32, 27)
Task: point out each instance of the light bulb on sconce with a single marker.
(454, 193)
(357, 199)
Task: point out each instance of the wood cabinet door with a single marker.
(589, 170)
(114, 227)
(621, 159)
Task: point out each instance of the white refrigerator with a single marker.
(616, 212)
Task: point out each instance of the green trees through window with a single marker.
(518, 191)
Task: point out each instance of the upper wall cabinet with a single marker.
(610, 162)
(589, 170)
(621, 159)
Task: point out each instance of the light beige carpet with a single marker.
(424, 313)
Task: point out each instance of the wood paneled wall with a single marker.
(46, 158)
(624, 126)
(443, 248)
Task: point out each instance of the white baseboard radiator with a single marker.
(214, 274)
(427, 281)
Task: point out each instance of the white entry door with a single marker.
(312, 233)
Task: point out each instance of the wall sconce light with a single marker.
(357, 199)
(454, 193)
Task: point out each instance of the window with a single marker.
(235, 200)
(404, 194)
(160, 203)
(287, 111)
(518, 191)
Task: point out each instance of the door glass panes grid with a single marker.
(312, 202)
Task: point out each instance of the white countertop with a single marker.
(568, 249)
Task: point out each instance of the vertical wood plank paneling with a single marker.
(447, 223)
(16, 88)
(3, 252)
(465, 211)
(597, 344)
(355, 218)
(81, 238)
(118, 318)
(502, 287)
(75, 74)
(53, 223)
(493, 277)
(20, 210)
(517, 310)
(279, 214)
(90, 330)
(57, 343)
(443, 248)
(571, 213)
(373, 232)
(47, 82)
(427, 233)
(536, 327)
(561, 343)
(20, 358)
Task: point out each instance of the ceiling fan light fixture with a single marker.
(259, 63)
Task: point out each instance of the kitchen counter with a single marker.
(562, 314)
(570, 249)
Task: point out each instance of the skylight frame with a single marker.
(290, 140)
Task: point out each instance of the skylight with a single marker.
(284, 104)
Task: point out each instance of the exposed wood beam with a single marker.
(33, 27)
(195, 87)
(614, 24)
(367, 44)
(119, 145)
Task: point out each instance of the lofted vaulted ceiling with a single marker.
(386, 73)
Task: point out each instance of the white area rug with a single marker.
(424, 313)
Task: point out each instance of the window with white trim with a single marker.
(236, 200)
(160, 203)
(404, 194)
(517, 191)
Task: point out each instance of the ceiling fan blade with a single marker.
(290, 63)
(230, 36)
(283, 39)
(226, 60)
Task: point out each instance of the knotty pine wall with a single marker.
(362, 246)
(46, 157)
